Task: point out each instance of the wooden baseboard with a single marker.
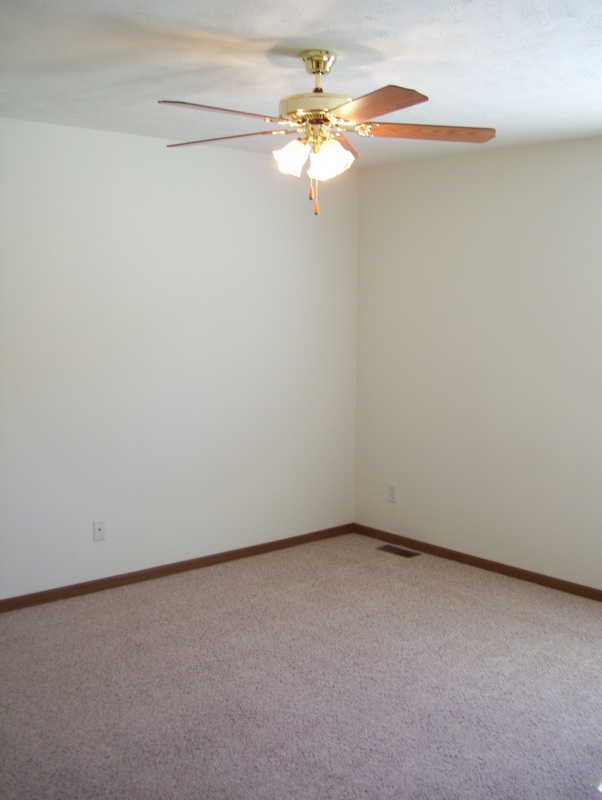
(63, 592)
(74, 590)
(481, 563)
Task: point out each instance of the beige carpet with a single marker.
(329, 670)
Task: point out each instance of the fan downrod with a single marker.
(318, 63)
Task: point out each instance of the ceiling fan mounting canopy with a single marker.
(318, 62)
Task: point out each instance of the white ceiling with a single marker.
(532, 69)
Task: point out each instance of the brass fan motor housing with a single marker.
(310, 106)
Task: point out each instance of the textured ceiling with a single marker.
(532, 69)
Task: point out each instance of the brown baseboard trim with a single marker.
(77, 589)
(482, 563)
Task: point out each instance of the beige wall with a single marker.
(177, 354)
(480, 355)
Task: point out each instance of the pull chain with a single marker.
(311, 195)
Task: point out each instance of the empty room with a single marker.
(300, 394)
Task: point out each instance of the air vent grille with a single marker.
(398, 551)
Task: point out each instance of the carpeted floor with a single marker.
(329, 670)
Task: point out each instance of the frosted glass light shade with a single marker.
(329, 161)
(292, 157)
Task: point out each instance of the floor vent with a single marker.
(398, 551)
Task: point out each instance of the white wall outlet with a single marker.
(100, 532)
(392, 492)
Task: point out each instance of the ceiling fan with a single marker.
(321, 122)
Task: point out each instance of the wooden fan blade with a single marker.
(382, 101)
(439, 133)
(200, 107)
(344, 142)
(237, 136)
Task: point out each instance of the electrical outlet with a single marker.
(392, 491)
(100, 532)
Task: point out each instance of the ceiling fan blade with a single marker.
(237, 136)
(438, 133)
(344, 142)
(375, 104)
(223, 110)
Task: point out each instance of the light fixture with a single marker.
(327, 158)
(292, 157)
(329, 161)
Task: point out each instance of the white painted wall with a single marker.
(480, 355)
(178, 345)
(178, 354)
